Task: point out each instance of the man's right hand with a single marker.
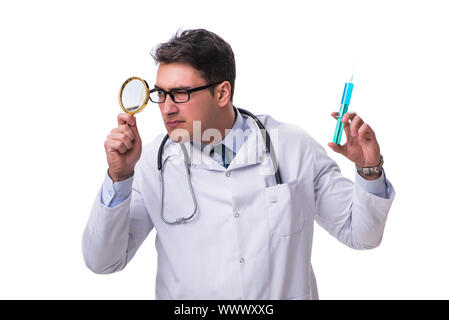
(123, 148)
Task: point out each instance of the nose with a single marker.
(168, 107)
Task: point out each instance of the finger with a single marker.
(136, 134)
(348, 116)
(126, 118)
(112, 146)
(124, 128)
(116, 145)
(346, 127)
(132, 127)
(336, 148)
(121, 137)
(366, 132)
(334, 115)
(356, 123)
(346, 124)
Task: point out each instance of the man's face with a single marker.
(178, 117)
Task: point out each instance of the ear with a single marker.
(223, 93)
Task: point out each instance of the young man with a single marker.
(225, 228)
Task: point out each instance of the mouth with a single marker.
(175, 123)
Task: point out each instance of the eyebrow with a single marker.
(176, 88)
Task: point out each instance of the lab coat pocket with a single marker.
(284, 209)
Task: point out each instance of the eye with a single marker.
(181, 95)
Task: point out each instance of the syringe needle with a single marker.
(352, 75)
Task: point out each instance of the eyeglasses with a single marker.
(158, 95)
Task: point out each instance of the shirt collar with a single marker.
(233, 139)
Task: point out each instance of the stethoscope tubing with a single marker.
(268, 145)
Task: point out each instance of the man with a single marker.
(248, 238)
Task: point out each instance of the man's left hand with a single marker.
(361, 145)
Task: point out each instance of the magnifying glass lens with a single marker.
(134, 95)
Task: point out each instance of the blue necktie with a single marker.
(223, 155)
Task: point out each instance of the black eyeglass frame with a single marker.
(172, 96)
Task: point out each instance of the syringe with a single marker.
(345, 100)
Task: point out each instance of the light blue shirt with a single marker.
(233, 140)
(114, 193)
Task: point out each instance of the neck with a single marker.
(226, 118)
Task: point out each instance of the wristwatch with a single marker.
(370, 171)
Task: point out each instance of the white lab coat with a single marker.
(250, 238)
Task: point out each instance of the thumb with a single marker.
(336, 148)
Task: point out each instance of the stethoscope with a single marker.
(269, 148)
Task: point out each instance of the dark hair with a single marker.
(202, 50)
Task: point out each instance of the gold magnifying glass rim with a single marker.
(147, 97)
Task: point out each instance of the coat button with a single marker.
(228, 174)
(242, 260)
(236, 215)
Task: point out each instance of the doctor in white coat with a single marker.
(249, 237)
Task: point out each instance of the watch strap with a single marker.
(369, 171)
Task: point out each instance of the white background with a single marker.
(61, 66)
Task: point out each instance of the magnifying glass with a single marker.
(134, 94)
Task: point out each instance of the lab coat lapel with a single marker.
(199, 159)
(171, 149)
(252, 151)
